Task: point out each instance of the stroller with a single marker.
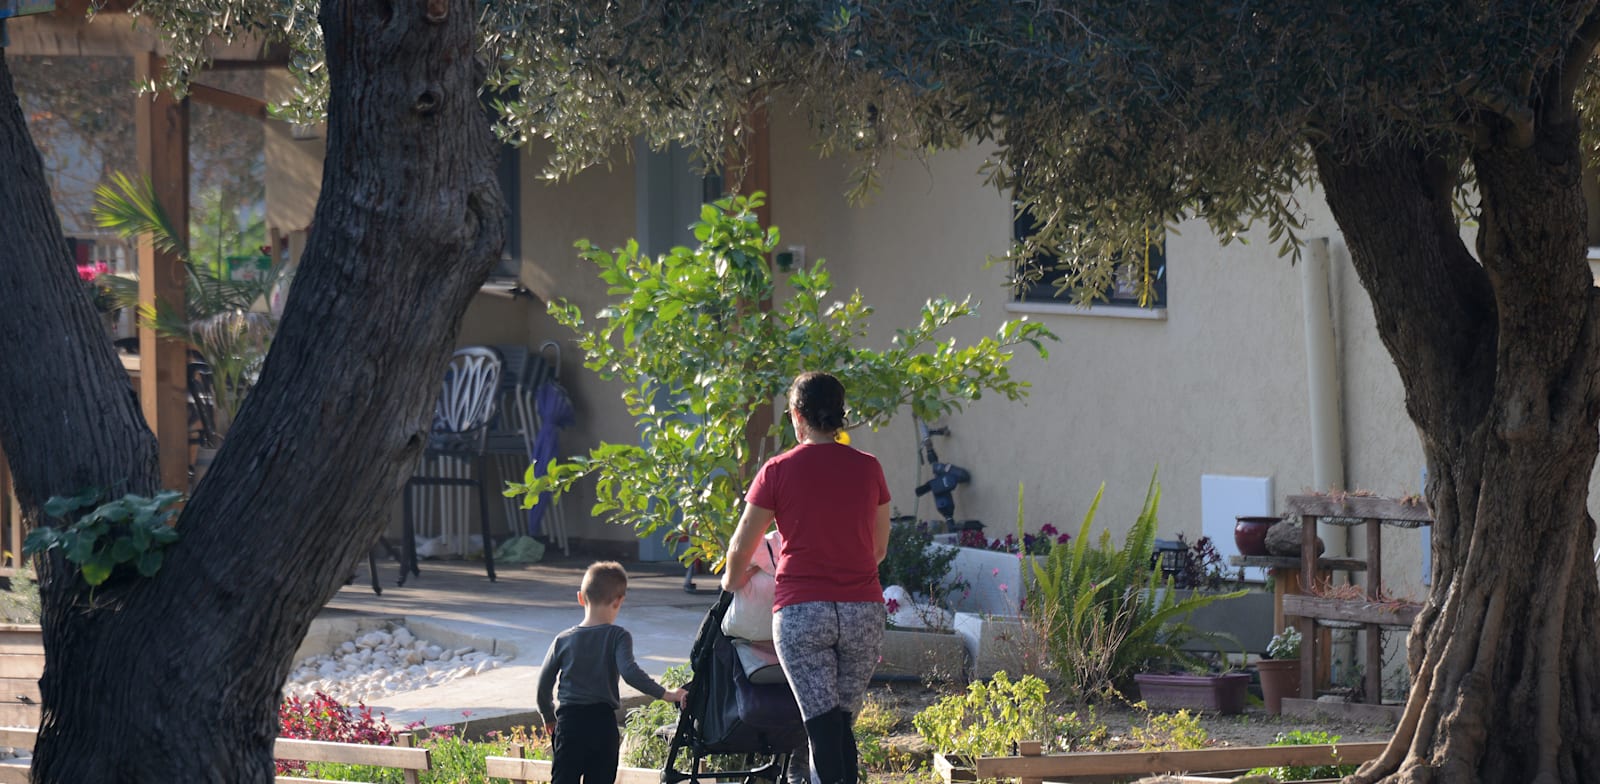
(727, 714)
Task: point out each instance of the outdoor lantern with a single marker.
(1173, 557)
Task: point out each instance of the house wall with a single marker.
(1217, 387)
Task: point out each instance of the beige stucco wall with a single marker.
(1218, 387)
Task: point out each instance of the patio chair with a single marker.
(457, 446)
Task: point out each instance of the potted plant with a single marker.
(1199, 689)
(223, 317)
(1280, 672)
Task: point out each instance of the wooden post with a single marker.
(406, 740)
(1029, 748)
(1374, 632)
(517, 751)
(1308, 626)
(162, 125)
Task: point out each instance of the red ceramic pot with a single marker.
(1250, 534)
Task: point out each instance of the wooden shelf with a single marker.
(1287, 562)
(1373, 514)
(1350, 610)
(1357, 509)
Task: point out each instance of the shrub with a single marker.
(1105, 612)
(1170, 731)
(643, 745)
(19, 603)
(988, 718)
(321, 717)
(1300, 772)
(696, 360)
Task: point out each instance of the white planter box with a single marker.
(987, 572)
(909, 654)
(997, 643)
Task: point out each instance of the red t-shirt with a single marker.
(826, 497)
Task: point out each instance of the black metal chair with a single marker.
(457, 446)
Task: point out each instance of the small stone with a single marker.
(1283, 540)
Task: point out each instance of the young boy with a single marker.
(589, 658)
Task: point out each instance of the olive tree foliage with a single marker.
(697, 360)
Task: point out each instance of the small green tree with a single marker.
(698, 358)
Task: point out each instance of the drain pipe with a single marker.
(1323, 383)
(1322, 374)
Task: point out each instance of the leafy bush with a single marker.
(321, 717)
(696, 360)
(920, 566)
(988, 718)
(1300, 772)
(1105, 612)
(19, 602)
(642, 743)
(1170, 731)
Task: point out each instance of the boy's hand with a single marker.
(675, 695)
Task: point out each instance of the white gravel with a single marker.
(384, 662)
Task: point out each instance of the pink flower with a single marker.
(1002, 587)
(891, 605)
(996, 572)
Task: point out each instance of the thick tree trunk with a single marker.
(177, 677)
(1500, 365)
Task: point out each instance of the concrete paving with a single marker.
(454, 603)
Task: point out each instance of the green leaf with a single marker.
(150, 563)
(97, 570)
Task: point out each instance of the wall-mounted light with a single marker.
(790, 259)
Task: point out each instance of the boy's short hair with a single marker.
(605, 581)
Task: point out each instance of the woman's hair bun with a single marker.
(819, 397)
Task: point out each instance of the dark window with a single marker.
(1036, 281)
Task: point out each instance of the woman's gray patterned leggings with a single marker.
(829, 651)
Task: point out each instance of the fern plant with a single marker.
(1106, 611)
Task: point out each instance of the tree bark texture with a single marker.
(1499, 363)
(178, 677)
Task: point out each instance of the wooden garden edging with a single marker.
(402, 756)
(520, 771)
(1035, 767)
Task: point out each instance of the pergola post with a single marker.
(162, 124)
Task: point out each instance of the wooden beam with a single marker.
(1355, 509)
(233, 102)
(1131, 763)
(162, 125)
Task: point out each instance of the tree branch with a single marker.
(1576, 59)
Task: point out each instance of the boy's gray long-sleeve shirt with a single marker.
(589, 660)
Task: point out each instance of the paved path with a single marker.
(520, 613)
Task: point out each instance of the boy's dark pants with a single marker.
(586, 745)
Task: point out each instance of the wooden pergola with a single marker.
(162, 132)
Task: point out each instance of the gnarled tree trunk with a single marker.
(1499, 361)
(177, 677)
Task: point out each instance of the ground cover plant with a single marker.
(454, 758)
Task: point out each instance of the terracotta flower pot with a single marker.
(1279, 678)
(1250, 534)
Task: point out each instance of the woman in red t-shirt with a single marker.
(832, 506)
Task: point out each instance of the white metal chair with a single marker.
(456, 447)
